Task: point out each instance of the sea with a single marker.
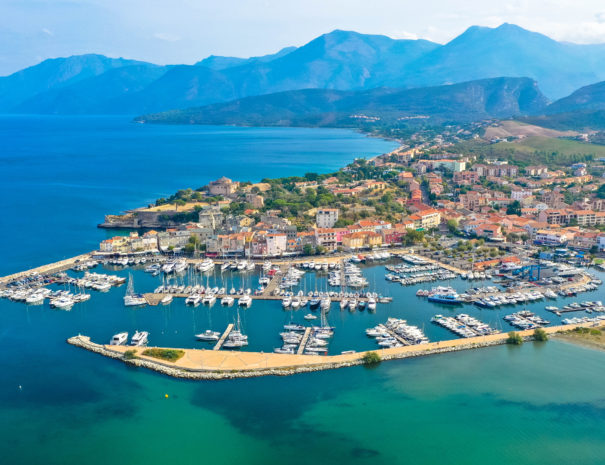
(536, 403)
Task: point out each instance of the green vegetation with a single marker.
(130, 354)
(590, 331)
(371, 358)
(514, 338)
(170, 355)
(550, 151)
(540, 335)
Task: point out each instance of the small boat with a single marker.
(166, 299)
(310, 316)
(119, 339)
(244, 301)
(208, 335)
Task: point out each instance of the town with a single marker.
(413, 195)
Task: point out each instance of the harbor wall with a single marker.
(204, 364)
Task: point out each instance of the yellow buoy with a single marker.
(166, 396)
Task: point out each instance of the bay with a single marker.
(61, 175)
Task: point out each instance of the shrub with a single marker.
(514, 338)
(130, 354)
(540, 335)
(371, 358)
(171, 355)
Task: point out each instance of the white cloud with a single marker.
(600, 17)
(403, 35)
(166, 37)
(47, 31)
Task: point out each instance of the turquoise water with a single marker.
(539, 403)
(61, 175)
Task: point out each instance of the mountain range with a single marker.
(469, 101)
(339, 60)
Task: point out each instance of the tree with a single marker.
(452, 225)
(514, 208)
(514, 338)
(307, 249)
(540, 335)
(371, 358)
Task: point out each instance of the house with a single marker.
(489, 231)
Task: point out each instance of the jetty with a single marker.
(221, 341)
(223, 364)
(303, 341)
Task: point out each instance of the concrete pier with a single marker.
(303, 342)
(221, 341)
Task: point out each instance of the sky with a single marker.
(186, 31)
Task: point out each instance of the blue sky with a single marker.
(185, 31)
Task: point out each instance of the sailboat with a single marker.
(236, 339)
(131, 299)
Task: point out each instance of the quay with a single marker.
(224, 364)
(303, 342)
(48, 269)
(221, 341)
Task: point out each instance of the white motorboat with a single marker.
(310, 316)
(209, 336)
(166, 299)
(119, 339)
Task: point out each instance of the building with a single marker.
(425, 219)
(555, 237)
(257, 201)
(520, 194)
(223, 186)
(497, 170)
(326, 217)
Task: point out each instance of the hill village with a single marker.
(402, 197)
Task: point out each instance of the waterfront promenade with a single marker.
(218, 364)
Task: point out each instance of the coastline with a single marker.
(584, 340)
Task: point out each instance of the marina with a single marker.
(325, 306)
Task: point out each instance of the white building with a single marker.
(326, 217)
(520, 194)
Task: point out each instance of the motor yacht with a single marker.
(139, 338)
(119, 339)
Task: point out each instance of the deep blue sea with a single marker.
(541, 403)
(61, 175)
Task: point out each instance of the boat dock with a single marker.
(303, 342)
(221, 341)
(398, 337)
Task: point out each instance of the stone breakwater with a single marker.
(208, 364)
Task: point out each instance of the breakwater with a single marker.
(209, 364)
